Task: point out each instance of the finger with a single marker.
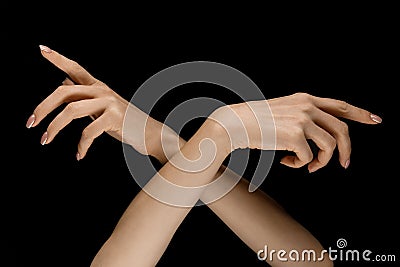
(73, 111)
(63, 94)
(76, 72)
(326, 144)
(343, 109)
(67, 81)
(91, 132)
(302, 150)
(339, 130)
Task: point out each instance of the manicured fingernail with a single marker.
(376, 118)
(45, 49)
(30, 121)
(43, 140)
(347, 164)
(78, 156)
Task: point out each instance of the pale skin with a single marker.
(147, 226)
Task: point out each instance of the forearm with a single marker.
(254, 217)
(148, 225)
(259, 221)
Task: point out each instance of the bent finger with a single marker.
(303, 154)
(73, 111)
(326, 144)
(63, 94)
(339, 130)
(91, 132)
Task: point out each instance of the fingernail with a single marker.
(45, 49)
(78, 156)
(30, 121)
(346, 165)
(43, 140)
(376, 118)
(311, 169)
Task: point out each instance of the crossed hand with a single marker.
(148, 224)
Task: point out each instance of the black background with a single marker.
(58, 212)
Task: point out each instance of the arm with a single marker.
(238, 208)
(147, 226)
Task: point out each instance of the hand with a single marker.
(87, 96)
(292, 120)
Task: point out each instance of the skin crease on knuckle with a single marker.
(306, 108)
(86, 135)
(343, 128)
(331, 145)
(72, 108)
(303, 120)
(343, 107)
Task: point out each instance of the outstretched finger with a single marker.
(345, 110)
(75, 71)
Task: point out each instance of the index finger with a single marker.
(75, 71)
(345, 110)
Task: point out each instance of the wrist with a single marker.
(217, 132)
(229, 120)
(161, 141)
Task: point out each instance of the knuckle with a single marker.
(343, 107)
(323, 159)
(307, 107)
(111, 99)
(104, 88)
(343, 128)
(60, 90)
(114, 114)
(60, 94)
(71, 108)
(86, 135)
(302, 96)
(297, 133)
(331, 144)
(303, 120)
(308, 157)
(305, 160)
